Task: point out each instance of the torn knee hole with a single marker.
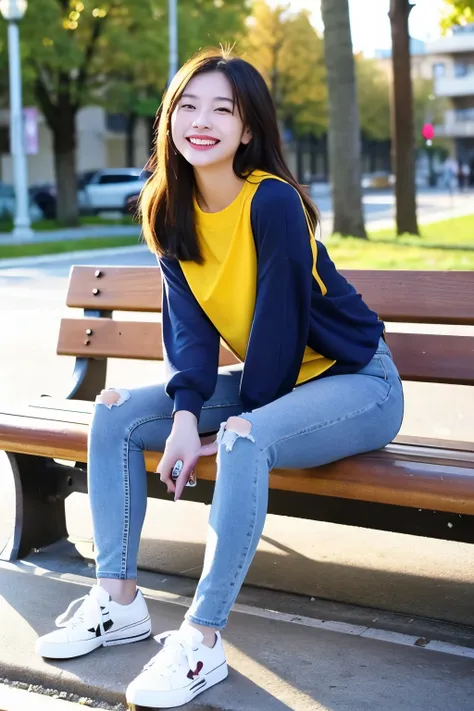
(112, 397)
(232, 430)
(239, 425)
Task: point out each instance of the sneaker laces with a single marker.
(176, 643)
(89, 613)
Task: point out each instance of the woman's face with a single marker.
(206, 125)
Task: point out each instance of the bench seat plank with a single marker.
(80, 411)
(401, 474)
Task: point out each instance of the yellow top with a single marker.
(225, 284)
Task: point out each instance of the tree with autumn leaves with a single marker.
(114, 53)
(457, 12)
(77, 53)
(288, 52)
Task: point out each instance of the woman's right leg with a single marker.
(124, 424)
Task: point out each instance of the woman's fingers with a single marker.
(207, 450)
(164, 470)
(166, 466)
(183, 478)
(208, 446)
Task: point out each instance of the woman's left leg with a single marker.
(317, 423)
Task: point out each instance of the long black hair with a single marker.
(166, 202)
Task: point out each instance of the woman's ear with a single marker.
(246, 137)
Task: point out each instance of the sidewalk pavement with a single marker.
(74, 233)
(34, 697)
(277, 661)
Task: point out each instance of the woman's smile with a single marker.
(202, 143)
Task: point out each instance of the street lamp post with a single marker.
(173, 39)
(13, 11)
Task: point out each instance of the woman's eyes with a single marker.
(219, 108)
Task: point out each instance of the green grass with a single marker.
(456, 232)
(444, 245)
(8, 251)
(351, 253)
(85, 221)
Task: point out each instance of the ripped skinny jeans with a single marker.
(317, 423)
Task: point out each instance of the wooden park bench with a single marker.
(414, 485)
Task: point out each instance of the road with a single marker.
(379, 206)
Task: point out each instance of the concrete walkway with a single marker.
(277, 661)
(34, 697)
(74, 233)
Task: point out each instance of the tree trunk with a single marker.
(325, 157)
(313, 147)
(64, 141)
(344, 129)
(300, 145)
(403, 131)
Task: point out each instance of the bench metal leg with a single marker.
(39, 516)
(89, 378)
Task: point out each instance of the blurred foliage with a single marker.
(3, 68)
(373, 89)
(373, 93)
(457, 12)
(428, 108)
(288, 51)
(113, 52)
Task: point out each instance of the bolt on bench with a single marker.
(415, 485)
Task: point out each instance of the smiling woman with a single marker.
(207, 121)
(216, 124)
(314, 381)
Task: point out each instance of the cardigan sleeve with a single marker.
(280, 324)
(190, 342)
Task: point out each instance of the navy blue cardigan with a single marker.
(290, 313)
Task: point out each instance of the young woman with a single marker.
(234, 235)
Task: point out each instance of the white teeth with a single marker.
(202, 142)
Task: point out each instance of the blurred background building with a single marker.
(453, 71)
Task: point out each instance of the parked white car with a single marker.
(109, 189)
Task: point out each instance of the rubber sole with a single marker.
(80, 649)
(144, 700)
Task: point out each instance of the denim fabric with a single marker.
(318, 422)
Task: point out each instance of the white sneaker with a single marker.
(180, 671)
(98, 622)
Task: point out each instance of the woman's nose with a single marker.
(202, 120)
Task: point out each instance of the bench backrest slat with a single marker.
(403, 296)
(116, 339)
(119, 288)
(423, 357)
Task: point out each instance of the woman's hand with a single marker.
(183, 444)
